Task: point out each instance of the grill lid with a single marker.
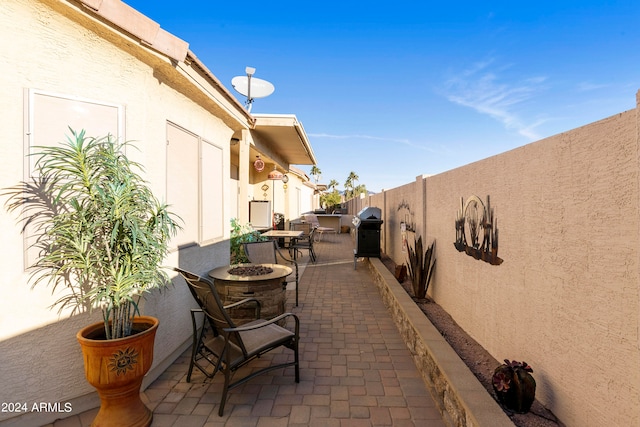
(367, 214)
(370, 213)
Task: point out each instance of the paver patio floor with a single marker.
(355, 369)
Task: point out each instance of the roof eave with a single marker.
(285, 135)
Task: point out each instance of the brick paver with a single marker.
(354, 371)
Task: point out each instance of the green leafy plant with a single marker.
(514, 385)
(329, 200)
(100, 232)
(278, 218)
(421, 266)
(242, 233)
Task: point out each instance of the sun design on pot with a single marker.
(123, 360)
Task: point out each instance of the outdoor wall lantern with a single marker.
(275, 174)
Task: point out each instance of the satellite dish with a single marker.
(259, 88)
(252, 87)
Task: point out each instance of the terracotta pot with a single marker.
(116, 369)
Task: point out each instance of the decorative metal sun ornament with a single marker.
(258, 164)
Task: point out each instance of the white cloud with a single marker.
(482, 89)
(588, 86)
(406, 142)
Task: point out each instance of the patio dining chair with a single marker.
(315, 222)
(268, 252)
(305, 241)
(230, 347)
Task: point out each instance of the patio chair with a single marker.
(235, 346)
(268, 252)
(305, 241)
(313, 219)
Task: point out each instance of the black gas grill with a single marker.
(367, 226)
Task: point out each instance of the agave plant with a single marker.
(100, 232)
(421, 266)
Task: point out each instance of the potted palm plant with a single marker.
(101, 236)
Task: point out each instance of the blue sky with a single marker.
(393, 90)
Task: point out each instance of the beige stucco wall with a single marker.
(566, 297)
(47, 49)
(296, 199)
(299, 196)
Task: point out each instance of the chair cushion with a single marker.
(255, 341)
(268, 336)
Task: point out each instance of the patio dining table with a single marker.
(283, 234)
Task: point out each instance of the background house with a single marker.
(276, 141)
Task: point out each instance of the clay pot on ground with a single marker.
(116, 369)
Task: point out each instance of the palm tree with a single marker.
(332, 184)
(352, 178)
(349, 185)
(315, 173)
(360, 189)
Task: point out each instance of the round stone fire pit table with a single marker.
(269, 289)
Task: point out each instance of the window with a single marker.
(51, 115)
(212, 192)
(49, 118)
(195, 186)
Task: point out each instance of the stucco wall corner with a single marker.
(638, 192)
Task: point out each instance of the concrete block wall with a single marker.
(566, 299)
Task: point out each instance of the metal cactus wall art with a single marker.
(406, 216)
(475, 220)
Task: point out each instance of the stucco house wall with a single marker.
(62, 47)
(292, 201)
(566, 297)
(299, 195)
